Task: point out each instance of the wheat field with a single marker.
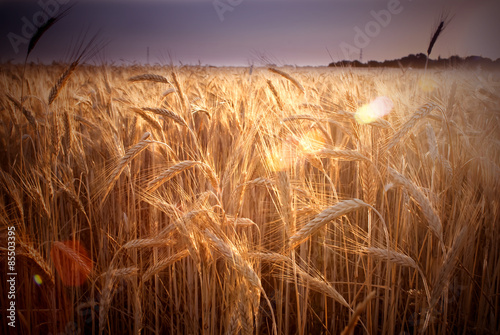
(199, 200)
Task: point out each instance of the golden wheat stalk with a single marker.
(149, 77)
(30, 117)
(55, 134)
(430, 214)
(107, 291)
(240, 222)
(155, 242)
(401, 260)
(320, 285)
(346, 155)
(392, 256)
(446, 271)
(163, 264)
(360, 308)
(326, 216)
(294, 81)
(315, 283)
(279, 102)
(449, 263)
(232, 256)
(152, 121)
(368, 183)
(82, 52)
(167, 92)
(298, 117)
(12, 188)
(130, 154)
(260, 181)
(180, 167)
(63, 79)
(408, 125)
(245, 315)
(178, 89)
(68, 134)
(168, 114)
(33, 254)
(75, 256)
(74, 199)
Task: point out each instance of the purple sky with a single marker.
(241, 32)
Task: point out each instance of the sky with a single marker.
(243, 32)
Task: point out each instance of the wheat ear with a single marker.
(403, 131)
(129, 155)
(82, 52)
(168, 114)
(360, 308)
(180, 92)
(294, 81)
(81, 260)
(316, 283)
(67, 137)
(346, 155)
(152, 121)
(27, 113)
(178, 168)
(443, 22)
(430, 214)
(275, 94)
(326, 216)
(392, 256)
(159, 266)
(33, 254)
(107, 291)
(11, 188)
(401, 260)
(43, 29)
(449, 263)
(54, 92)
(149, 77)
(445, 274)
(155, 242)
(232, 256)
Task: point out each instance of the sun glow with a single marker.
(427, 84)
(311, 141)
(376, 109)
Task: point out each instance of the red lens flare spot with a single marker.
(72, 262)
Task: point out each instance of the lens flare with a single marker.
(38, 279)
(427, 84)
(278, 159)
(72, 262)
(312, 140)
(378, 108)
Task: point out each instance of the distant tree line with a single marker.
(418, 62)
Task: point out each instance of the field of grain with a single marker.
(197, 200)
